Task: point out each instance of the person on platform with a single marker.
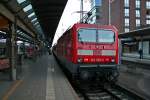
(141, 53)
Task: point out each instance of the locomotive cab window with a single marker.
(106, 36)
(87, 35)
(94, 35)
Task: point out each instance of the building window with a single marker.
(148, 4)
(138, 23)
(137, 13)
(126, 12)
(147, 16)
(95, 3)
(126, 29)
(148, 21)
(137, 3)
(127, 22)
(126, 3)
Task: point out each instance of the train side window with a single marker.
(2, 52)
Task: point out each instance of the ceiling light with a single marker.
(32, 14)
(33, 19)
(20, 1)
(27, 8)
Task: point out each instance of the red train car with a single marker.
(4, 59)
(89, 50)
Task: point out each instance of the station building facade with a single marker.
(126, 16)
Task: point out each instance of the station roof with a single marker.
(42, 16)
(10, 9)
(136, 33)
(49, 13)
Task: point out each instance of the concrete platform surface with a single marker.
(41, 80)
(136, 81)
(136, 60)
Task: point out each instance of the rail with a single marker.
(95, 91)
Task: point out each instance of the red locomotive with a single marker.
(89, 50)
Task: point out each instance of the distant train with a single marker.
(89, 51)
(4, 59)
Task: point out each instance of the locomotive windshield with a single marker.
(106, 36)
(94, 35)
(87, 35)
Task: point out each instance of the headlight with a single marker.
(79, 59)
(112, 60)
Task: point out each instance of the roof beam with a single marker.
(8, 14)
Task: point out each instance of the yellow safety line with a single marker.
(12, 89)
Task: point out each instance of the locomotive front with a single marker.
(97, 52)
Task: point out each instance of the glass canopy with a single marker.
(28, 9)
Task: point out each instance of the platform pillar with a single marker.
(13, 52)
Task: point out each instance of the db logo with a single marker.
(97, 47)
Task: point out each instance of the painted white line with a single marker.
(50, 91)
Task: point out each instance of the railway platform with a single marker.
(41, 80)
(135, 74)
(136, 81)
(136, 60)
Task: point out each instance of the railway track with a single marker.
(95, 91)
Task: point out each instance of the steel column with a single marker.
(13, 51)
